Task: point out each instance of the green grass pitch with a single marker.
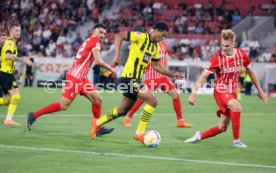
(60, 143)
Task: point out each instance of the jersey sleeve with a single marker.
(156, 56)
(213, 64)
(134, 36)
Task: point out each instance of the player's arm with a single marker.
(9, 56)
(119, 38)
(204, 75)
(256, 82)
(100, 62)
(159, 68)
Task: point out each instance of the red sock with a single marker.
(211, 132)
(235, 119)
(97, 110)
(134, 108)
(54, 107)
(177, 108)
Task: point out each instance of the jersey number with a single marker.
(80, 50)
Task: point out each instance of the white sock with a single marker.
(237, 140)
(9, 117)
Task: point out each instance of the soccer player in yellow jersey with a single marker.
(3, 38)
(144, 48)
(8, 83)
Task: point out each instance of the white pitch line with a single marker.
(136, 156)
(157, 114)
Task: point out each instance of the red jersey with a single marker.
(150, 72)
(84, 58)
(227, 70)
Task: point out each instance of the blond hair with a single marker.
(228, 34)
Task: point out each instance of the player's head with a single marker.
(99, 30)
(159, 31)
(15, 30)
(3, 37)
(228, 38)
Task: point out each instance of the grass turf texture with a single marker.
(60, 142)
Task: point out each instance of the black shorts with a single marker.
(7, 82)
(1, 92)
(130, 87)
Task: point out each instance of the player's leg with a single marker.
(124, 106)
(70, 91)
(12, 105)
(152, 85)
(63, 104)
(178, 109)
(222, 127)
(4, 101)
(235, 116)
(135, 107)
(10, 88)
(96, 100)
(151, 102)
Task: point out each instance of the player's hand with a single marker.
(112, 70)
(178, 75)
(263, 97)
(115, 61)
(192, 99)
(27, 61)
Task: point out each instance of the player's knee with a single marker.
(97, 100)
(122, 111)
(153, 102)
(175, 96)
(223, 128)
(15, 99)
(236, 108)
(64, 106)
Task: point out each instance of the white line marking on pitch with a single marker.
(193, 114)
(135, 156)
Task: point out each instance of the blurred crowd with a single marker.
(49, 27)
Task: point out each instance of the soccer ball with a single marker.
(152, 138)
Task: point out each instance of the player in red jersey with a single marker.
(227, 65)
(76, 79)
(153, 80)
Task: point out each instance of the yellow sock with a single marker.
(112, 114)
(144, 118)
(13, 104)
(4, 101)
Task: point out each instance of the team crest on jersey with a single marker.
(239, 62)
(72, 95)
(147, 57)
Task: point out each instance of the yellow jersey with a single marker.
(142, 51)
(8, 66)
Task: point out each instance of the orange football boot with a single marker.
(127, 122)
(94, 129)
(183, 123)
(139, 137)
(11, 123)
